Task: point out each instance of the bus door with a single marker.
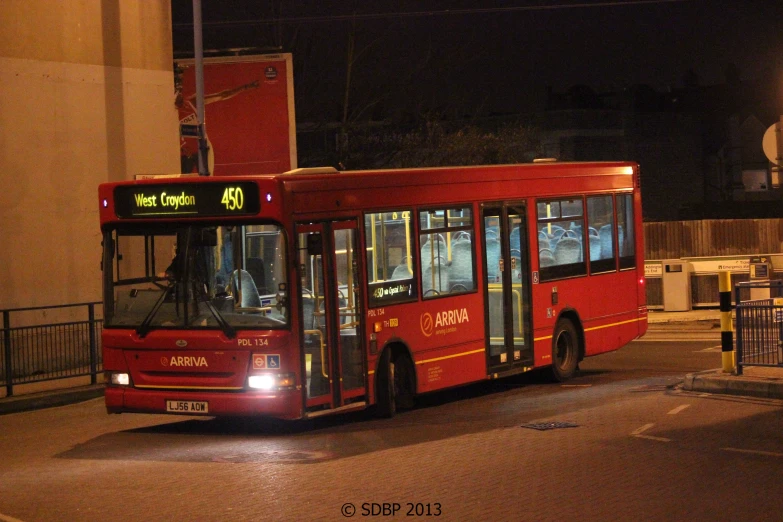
(330, 330)
(506, 287)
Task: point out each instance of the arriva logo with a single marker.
(184, 361)
(426, 324)
(442, 320)
(451, 317)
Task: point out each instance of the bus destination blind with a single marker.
(186, 200)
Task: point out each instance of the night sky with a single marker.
(479, 58)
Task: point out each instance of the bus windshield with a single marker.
(195, 276)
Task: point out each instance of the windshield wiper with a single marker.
(143, 329)
(227, 328)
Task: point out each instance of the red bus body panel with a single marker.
(211, 368)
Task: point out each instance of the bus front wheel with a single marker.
(394, 385)
(385, 399)
(565, 351)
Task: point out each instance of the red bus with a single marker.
(315, 291)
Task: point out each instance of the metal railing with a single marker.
(759, 324)
(65, 345)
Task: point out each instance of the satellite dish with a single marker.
(770, 143)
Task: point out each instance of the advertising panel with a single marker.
(249, 114)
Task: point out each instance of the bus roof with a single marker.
(535, 170)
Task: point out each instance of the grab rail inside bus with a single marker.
(320, 335)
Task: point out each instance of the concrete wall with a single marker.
(86, 96)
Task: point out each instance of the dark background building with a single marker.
(685, 87)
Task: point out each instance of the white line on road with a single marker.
(678, 409)
(710, 349)
(6, 518)
(650, 437)
(754, 452)
(638, 434)
(644, 428)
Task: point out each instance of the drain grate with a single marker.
(543, 426)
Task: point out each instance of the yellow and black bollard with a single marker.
(726, 330)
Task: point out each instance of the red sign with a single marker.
(249, 115)
(259, 362)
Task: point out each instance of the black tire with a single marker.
(403, 382)
(565, 351)
(385, 399)
(394, 386)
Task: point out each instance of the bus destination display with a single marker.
(187, 199)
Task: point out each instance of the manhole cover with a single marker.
(543, 426)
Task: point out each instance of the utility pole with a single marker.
(198, 48)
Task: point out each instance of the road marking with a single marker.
(650, 437)
(642, 429)
(754, 452)
(678, 409)
(6, 518)
(710, 349)
(638, 434)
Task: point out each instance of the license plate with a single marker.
(187, 406)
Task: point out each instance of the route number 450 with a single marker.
(233, 198)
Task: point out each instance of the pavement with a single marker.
(49, 398)
(755, 381)
(766, 382)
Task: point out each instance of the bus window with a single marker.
(561, 238)
(391, 261)
(600, 236)
(625, 238)
(447, 250)
(193, 276)
(264, 257)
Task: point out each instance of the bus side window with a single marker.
(625, 237)
(447, 251)
(562, 242)
(391, 260)
(600, 219)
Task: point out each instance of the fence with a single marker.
(65, 346)
(710, 242)
(759, 324)
(712, 237)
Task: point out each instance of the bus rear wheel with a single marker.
(565, 351)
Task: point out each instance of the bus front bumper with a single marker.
(282, 404)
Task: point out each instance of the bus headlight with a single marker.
(119, 379)
(261, 382)
(271, 381)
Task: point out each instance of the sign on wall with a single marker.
(249, 114)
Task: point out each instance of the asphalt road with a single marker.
(619, 442)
